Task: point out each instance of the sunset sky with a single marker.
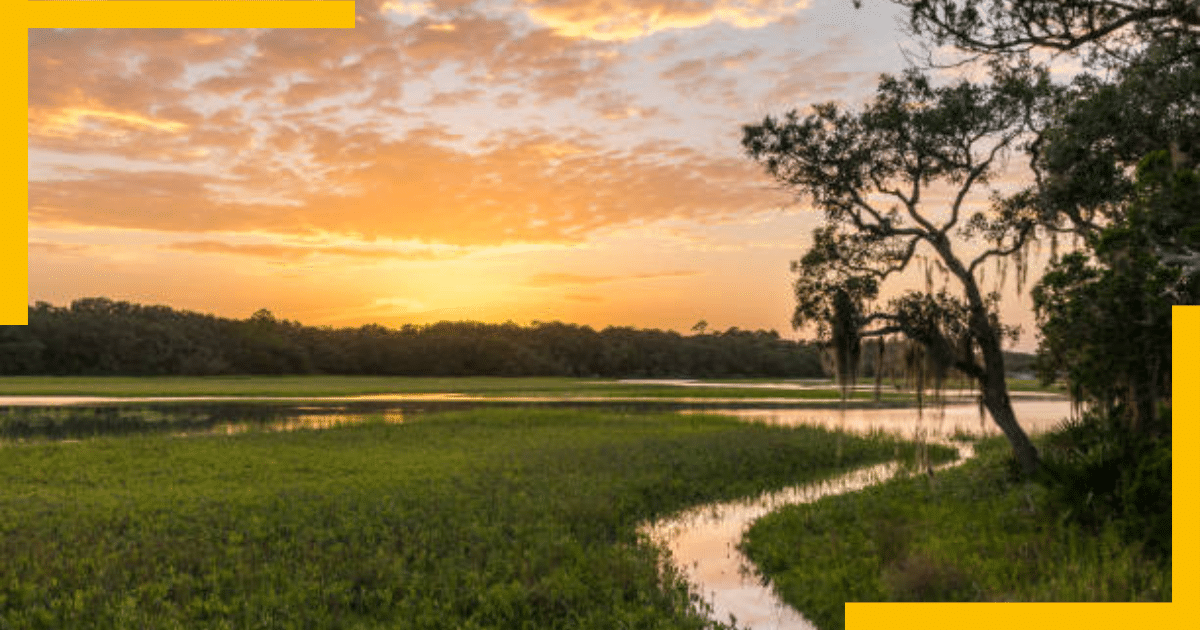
(572, 160)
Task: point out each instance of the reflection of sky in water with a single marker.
(311, 421)
(69, 422)
(704, 542)
(1034, 415)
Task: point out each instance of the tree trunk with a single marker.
(995, 395)
(992, 381)
(995, 398)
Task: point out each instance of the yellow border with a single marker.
(14, 202)
(189, 14)
(1185, 524)
(14, 98)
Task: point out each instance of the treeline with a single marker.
(99, 336)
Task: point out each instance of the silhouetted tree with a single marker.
(869, 172)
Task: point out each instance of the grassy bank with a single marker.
(1098, 531)
(301, 386)
(483, 386)
(504, 518)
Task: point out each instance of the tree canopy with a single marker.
(1102, 30)
(99, 336)
(899, 180)
(1113, 163)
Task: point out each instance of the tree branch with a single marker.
(973, 175)
(1019, 242)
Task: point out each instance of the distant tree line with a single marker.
(99, 336)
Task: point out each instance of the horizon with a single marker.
(444, 161)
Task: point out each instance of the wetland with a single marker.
(528, 503)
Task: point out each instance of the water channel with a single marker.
(703, 541)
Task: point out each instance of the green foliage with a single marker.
(869, 171)
(97, 336)
(1102, 475)
(499, 519)
(494, 388)
(1106, 321)
(1105, 32)
(1102, 126)
(1094, 532)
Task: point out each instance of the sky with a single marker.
(521, 160)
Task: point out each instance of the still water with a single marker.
(704, 545)
(74, 417)
(704, 541)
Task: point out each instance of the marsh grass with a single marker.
(499, 518)
(1093, 530)
(326, 385)
(73, 422)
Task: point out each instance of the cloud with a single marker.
(713, 78)
(543, 280)
(298, 252)
(801, 79)
(457, 97)
(69, 120)
(534, 186)
(616, 105)
(622, 20)
(302, 132)
(59, 248)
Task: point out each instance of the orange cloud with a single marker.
(57, 248)
(298, 252)
(457, 97)
(531, 187)
(70, 120)
(622, 20)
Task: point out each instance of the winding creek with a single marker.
(704, 545)
(703, 541)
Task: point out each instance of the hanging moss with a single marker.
(879, 369)
(847, 343)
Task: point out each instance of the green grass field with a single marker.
(498, 518)
(975, 533)
(301, 386)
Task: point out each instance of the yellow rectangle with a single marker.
(190, 14)
(14, 138)
(1185, 546)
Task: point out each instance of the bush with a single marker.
(1100, 472)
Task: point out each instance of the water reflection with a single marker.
(704, 541)
(704, 545)
(1036, 415)
(73, 422)
(312, 421)
(72, 417)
